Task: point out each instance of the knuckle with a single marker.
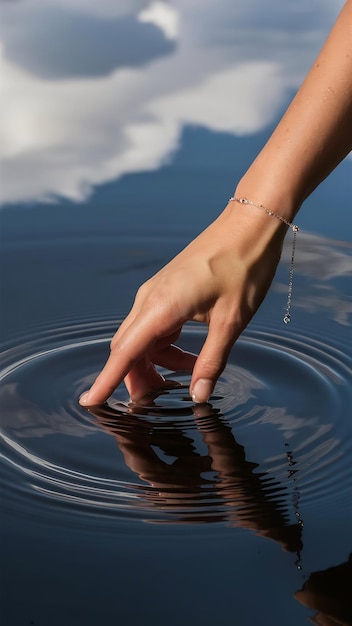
(230, 324)
(151, 297)
(143, 291)
(115, 346)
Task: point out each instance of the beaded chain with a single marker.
(295, 229)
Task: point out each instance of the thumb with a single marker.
(212, 360)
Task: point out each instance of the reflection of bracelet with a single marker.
(295, 229)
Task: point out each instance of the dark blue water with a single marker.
(234, 512)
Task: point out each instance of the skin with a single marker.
(221, 278)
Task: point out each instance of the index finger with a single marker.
(128, 348)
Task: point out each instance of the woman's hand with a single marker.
(219, 279)
(223, 275)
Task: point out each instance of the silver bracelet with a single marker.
(295, 229)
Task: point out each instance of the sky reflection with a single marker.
(92, 91)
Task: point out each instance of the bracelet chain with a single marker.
(295, 229)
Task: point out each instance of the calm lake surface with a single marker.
(127, 126)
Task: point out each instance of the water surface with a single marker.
(165, 512)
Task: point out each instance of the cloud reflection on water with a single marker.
(227, 67)
(322, 260)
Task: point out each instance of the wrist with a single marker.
(269, 212)
(267, 192)
(284, 219)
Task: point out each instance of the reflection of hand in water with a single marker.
(330, 593)
(232, 491)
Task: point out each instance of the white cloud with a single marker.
(228, 72)
(217, 104)
(162, 15)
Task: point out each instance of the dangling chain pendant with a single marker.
(295, 229)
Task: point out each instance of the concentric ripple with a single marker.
(274, 440)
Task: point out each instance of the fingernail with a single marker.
(83, 399)
(202, 390)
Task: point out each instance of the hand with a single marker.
(219, 279)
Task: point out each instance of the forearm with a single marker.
(315, 133)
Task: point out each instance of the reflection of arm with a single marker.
(330, 593)
(247, 492)
(315, 133)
